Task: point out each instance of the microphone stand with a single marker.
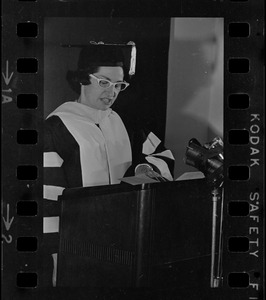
(216, 279)
(209, 160)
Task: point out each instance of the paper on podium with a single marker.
(139, 179)
(191, 176)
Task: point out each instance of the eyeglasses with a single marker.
(105, 84)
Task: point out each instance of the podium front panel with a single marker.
(156, 235)
(101, 239)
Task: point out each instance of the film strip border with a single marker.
(22, 148)
(22, 113)
(244, 129)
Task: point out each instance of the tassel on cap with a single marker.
(132, 68)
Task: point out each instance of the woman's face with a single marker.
(96, 97)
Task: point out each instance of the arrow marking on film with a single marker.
(7, 222)
(6, 77)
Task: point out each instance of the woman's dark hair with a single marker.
(78, 78)
(91, 58)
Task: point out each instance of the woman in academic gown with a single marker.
(86, 143)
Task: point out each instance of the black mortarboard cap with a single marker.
(100, 55)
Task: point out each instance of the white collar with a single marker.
(82, 110)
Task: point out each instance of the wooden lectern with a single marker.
(149, 235)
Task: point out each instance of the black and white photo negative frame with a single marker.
(203, 58)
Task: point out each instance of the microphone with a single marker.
(207, 158)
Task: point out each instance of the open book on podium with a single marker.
(149, 234)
